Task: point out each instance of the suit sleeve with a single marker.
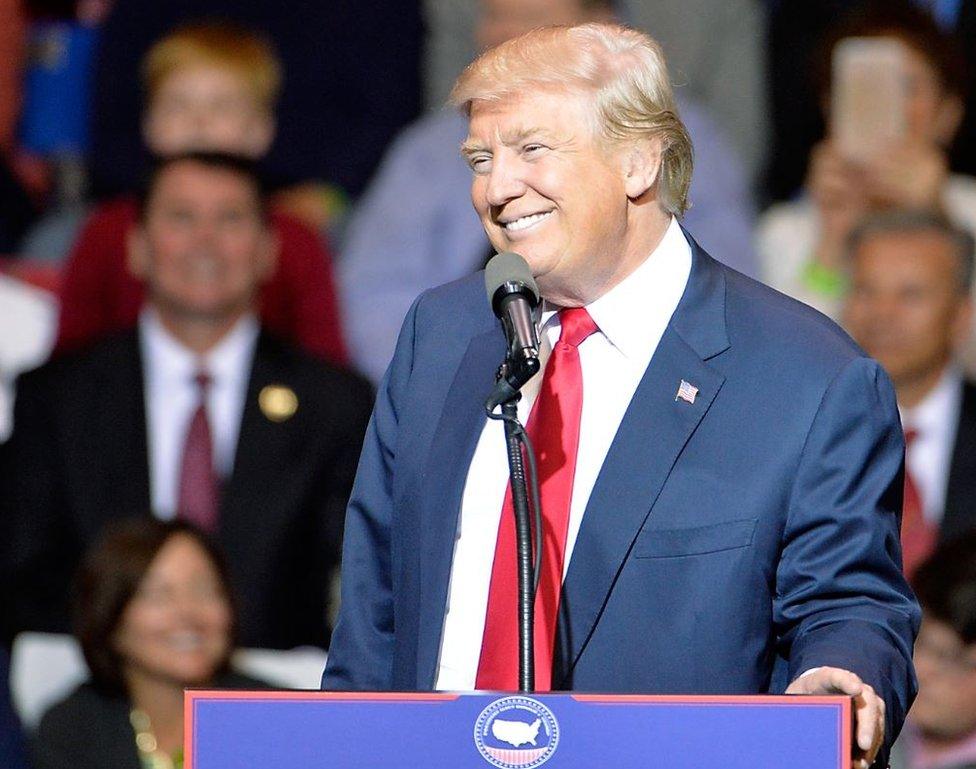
(361, 652)
(841, 599)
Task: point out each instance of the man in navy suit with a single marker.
(734, 460)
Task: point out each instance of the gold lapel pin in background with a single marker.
(278, 402)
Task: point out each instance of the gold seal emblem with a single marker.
(278, 402)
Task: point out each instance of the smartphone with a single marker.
(868, 95)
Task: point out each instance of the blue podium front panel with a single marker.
(328, 730)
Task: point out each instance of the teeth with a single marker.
(525, 222)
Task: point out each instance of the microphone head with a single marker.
(509, 273)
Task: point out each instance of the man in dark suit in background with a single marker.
(910, 308)
(198, 414)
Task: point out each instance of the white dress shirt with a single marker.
(172, 397)
(936, 420)
(632, 318)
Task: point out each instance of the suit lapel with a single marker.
(960, 503)
(455, 439)
(122, 436)
(261, 455)
(652, 434)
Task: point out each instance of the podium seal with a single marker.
(516, 733)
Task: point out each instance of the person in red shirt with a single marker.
(208, 87)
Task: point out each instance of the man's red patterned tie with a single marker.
(198, 485)
(918, 536)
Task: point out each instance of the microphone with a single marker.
(513, 295)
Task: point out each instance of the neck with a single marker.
(198, 334)
(162, 701)
(647, 228)
(913, 390)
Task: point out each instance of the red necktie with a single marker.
(198, 484)
(918, 536)
(553, 426)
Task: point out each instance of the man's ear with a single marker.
(270, 250)
(137, 252)
(948, 117)
(963, 322)
(261, 135)
(641, 166)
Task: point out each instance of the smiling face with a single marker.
(546, 187)
(176, 628)
(905, 307)
(203, 248)
(207, 108)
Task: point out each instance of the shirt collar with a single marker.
(633, 314)
(937, 409)
(168, 360)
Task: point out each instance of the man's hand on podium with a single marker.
(869, 708)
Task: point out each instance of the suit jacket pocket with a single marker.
(669, 543)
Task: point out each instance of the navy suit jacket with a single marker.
(728, 545)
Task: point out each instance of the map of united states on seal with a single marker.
(516, 733)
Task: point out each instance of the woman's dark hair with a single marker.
(109, 577)
(945, 585)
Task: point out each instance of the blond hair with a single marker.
(222, 45)
(623, 70)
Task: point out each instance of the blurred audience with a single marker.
(208, 87)
(715, 52)
(153, 614)
(12, 754)
(910, 307)
(352, 79)
(940, 732)
(197, 413)
(795, 32)
(415, 227)
(27, 323)
(17, 208)
(801, 244)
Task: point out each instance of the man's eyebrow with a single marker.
(468, 147)
(514, 136)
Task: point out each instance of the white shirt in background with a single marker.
(936, 419)
(172, 397)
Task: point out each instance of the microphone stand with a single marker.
(528, 572)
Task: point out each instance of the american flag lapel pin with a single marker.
(686, 392)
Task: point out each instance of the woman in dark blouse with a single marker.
(153, 615)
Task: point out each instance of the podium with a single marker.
(334, 730)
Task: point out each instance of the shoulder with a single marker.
(781, 336)
(234, 679)
(315, 379)
(786, 221)
(290, 228)
(968, 410)
(78, 367)
(960, 201)
(88, 729)
(122, 211)
(458, 308)
(75, 714)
